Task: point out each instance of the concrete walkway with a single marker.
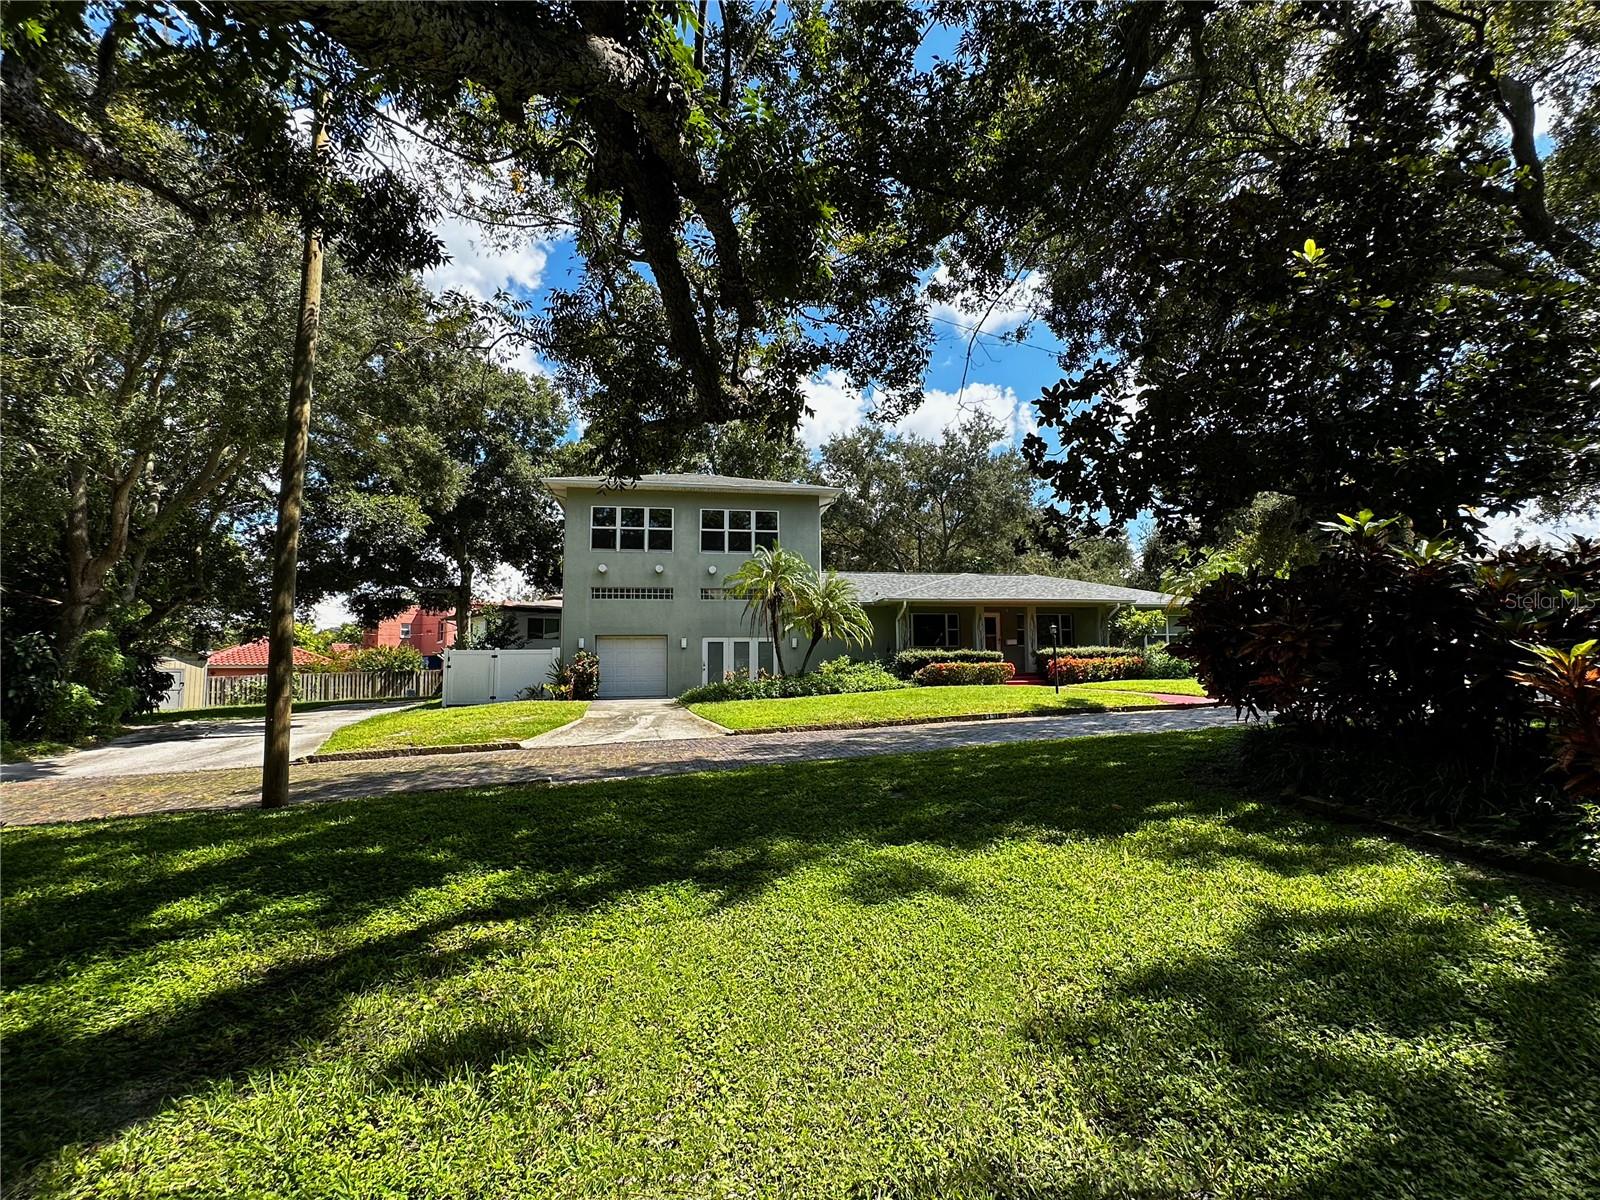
(80, 799)
(610, 721)
(209, 744)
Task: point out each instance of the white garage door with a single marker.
(632, 666)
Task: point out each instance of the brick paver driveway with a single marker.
(33, 803)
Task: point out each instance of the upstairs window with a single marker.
(737, 530)
(617, 528)
(405, 631)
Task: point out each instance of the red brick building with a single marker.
(429, 632)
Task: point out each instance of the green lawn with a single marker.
(923, 702)
(470, 725)
(1085, 969)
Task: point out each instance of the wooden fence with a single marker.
(327, 685)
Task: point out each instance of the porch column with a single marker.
(977, 628)
(1030, 639)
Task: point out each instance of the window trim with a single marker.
(544, 625)
(1041, 627)
(725, 530)
(616, 527)
(405, 631)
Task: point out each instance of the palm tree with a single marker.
(768, 583)
(827, 608)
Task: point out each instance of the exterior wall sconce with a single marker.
(602, 568)
(580, 643)
(794, 643)
(659, 568)
(711, 570)
(683, 643)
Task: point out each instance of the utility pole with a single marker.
(291, 501)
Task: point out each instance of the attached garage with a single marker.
(632, 666)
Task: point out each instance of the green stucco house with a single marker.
(644, 572)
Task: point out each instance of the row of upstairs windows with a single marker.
(722, 530)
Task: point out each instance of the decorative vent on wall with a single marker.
(630, 593)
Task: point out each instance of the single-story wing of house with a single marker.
(645, 570)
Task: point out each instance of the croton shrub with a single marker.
(1399, 638)
(1070, 668)
(908, 662)
(949, 674)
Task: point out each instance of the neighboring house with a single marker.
(430, 633)
(538, 622)
(250, 658)
(644, 585)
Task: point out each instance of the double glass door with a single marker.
(743, 657)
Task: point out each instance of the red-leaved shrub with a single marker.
(1072, 669)
(948, 674)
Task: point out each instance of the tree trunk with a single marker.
(774, 616)
(816, 640)
(464, 602)
(291, 498)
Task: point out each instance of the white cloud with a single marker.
(988, 314)
(480, 269)
(1513, 527)
(838, 407)
(939, 410)
(335, 610)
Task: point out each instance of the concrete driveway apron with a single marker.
(611, 721)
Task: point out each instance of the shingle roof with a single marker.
(697, 483)
(254, 654)
(878, 587)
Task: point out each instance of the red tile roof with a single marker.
(254, 654)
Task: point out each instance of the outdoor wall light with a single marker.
(580, 643)
(794, 643)
(601, 568)
(683, 643)
(711, 570)
(659, 568)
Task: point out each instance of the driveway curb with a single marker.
(407, 752)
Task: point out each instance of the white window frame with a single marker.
(727, 655)
(405, 631)
(952, 630)
(649, 514)
(725, 531)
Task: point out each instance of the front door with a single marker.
(991, 631)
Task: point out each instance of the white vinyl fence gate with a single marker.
(494, 676)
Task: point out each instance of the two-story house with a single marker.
(645, 571)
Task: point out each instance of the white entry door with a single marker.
(632, 666)
(744, 658)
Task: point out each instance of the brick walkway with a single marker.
(44, 801)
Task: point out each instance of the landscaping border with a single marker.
(946, 720)
(1539, 866)
(408, 751)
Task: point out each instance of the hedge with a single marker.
(908, 662)
(1072, 669)
(1044, 654)
(834, 677)
(947, 674)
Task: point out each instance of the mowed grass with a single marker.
(1167, 687)
(1083, 968)
(469, 725)
(922, 703)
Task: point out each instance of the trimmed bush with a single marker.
(1072, 669)
(1045, 654)
(835, 677)
(955, 674)
(908, 662)
(1161, 663)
